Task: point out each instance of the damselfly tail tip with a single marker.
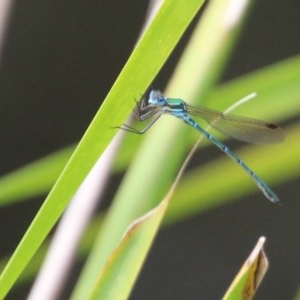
(271, 196)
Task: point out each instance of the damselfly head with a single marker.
(156, 98)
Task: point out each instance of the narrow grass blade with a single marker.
(250, 276)
(128, 257)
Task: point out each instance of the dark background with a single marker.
(62, 54)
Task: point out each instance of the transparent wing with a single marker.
(240, 128)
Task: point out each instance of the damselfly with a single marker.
(240, 128)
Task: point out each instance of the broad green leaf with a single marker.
(146, 60)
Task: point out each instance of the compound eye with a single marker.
(160, 99)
